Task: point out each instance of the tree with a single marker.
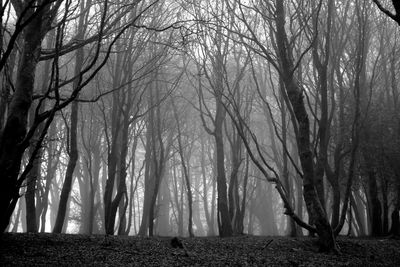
(286, 67)
(38, 17)
(214, 73)
(73, 129)
(185, 170)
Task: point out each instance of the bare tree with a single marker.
(38, 17)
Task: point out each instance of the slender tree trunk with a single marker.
(164, 199)
(321, 65)
(240, 217)
(196, 207)
(385, 206)
(133, 187)
(52, 162)
(69, 174)
(73, 144)
(208, 214)
(185, 172)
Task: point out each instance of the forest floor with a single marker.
(81, 250)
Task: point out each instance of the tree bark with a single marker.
(13, 133)
(295, 96)
(224, 222)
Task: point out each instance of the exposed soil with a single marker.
(81, 250)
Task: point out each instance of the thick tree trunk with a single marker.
(224, 222)
(358, 216)
(13, 133)
(164, 199)
(335, 204)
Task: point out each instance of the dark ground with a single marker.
(81, 250)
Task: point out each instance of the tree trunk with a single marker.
(207, 213)
(295, 96)
(375, 205)
(164, 199)
(385, 206)
(148, 177)
(224, 222)
(13, 133)
(69, 174)
(52, 162)
(73, 149)
(196, 207)
(185, 172)
(357, 216)
(34, 174)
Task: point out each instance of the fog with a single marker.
(198, 118)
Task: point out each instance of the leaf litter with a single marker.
(18, 249)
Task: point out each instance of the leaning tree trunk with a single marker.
(295, 96)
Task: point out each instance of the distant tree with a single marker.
(395, 217)
(212, 66)
(35, 19)
(185, 168)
